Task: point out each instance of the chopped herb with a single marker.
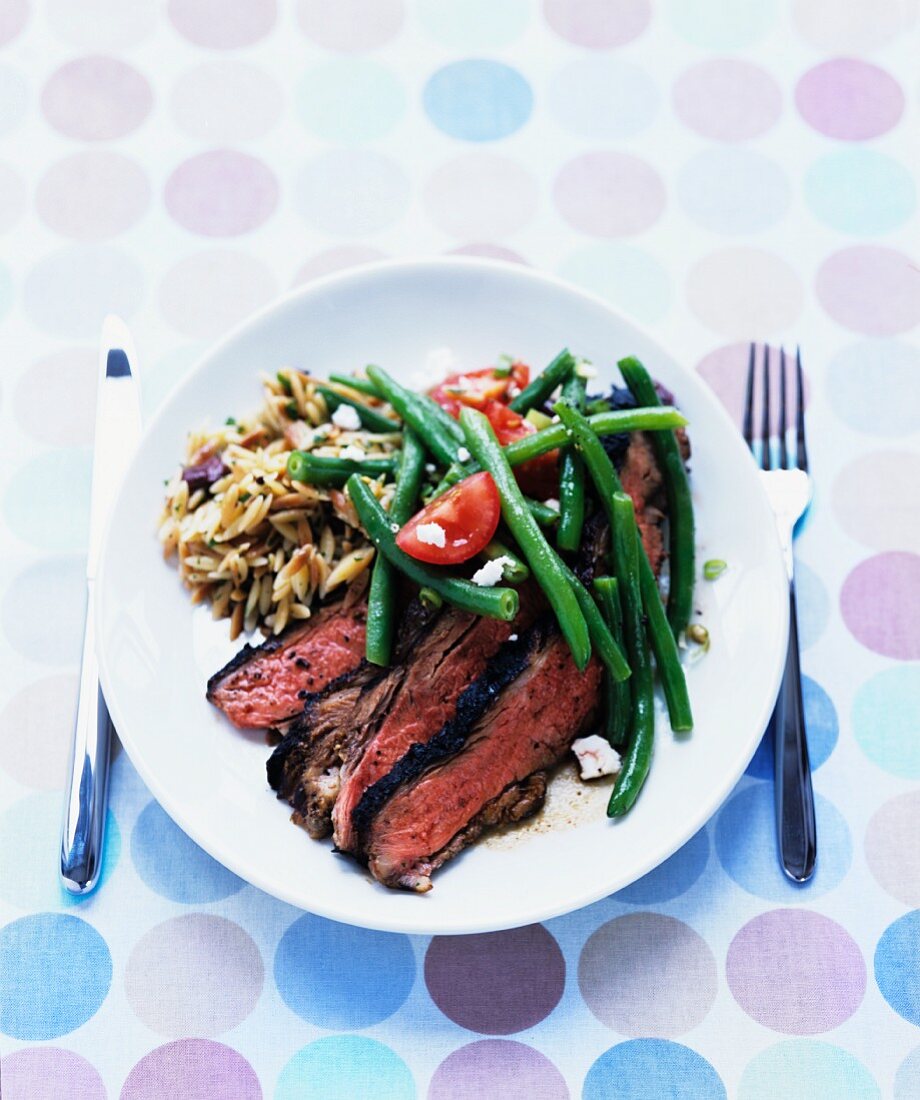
(284, 382)
(291, 409)
(504, 369)
(243, 497)
(714, 568)
(230, 421)
(212, 542)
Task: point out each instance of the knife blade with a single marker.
(118, 428)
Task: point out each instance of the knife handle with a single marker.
(83, 830)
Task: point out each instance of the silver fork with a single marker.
(784, 474)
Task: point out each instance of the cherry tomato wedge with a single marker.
(478, 387)
(540, 476)
(456, 526)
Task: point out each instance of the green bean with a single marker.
(638, 758)
(416, 410)
(543, 385)
(430, 600)
(602, 639)
(605, 423)
(607, 484)
(359, 385)
(571, 477)
(542, 513)
(546, 567)
(598, 405)
(381, 600)
(514, 573)
(327, 470)
(497, 603)
(616, 693)
(371, 419)
(680, 503)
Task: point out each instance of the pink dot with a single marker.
(727, 100)
(14, 14)
(478, 196)
(49, 1073)
(96, 99)
(849, 100)
(336, 259)
(92, 195)
(222, 193)
(744, 292)
(879, 602)
(877, 499)
(217, 25)
(725, 372)
(892, 853)
(796, 972)
(351, 26)
(609, 194)
(870, 289)
(489, 252)
(195, 1069)
(502, 1068)
(597, 24)
(209, 291)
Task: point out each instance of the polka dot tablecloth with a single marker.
(722, 171)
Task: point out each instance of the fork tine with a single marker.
(781, 429)
(801, 454)
(765, 411)
(748, 429)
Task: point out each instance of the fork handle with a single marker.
(795, 801)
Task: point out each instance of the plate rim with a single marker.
(252, 875)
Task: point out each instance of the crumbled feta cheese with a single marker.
(346, 417)
(585, 370)
(512, 637)
(430, 467)
(552, 503)
(596, 757)
(438, 363)
(432, 534)
(394, 527)
(492, 572)
(463, 454)
(352, 451)
(513, 389)
(461, 542)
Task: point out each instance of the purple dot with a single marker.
(96, 99)
(92, 195)
(498, 982)
(879, 601)
(849, 100)
(597, 24)
(221, 193)
(488, 252)
(195, 1069)
(336, 259)
(646, 974)
(796, 972)
(217, 25)
(497, 1067)
(351, 26)
(727, 100)
(609, 194)
(14, 14)
(870, 289)
(47, 1073)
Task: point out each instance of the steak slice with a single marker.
(264, 686)
(518, 718)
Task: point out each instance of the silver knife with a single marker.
(118, 427)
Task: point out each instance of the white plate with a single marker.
(155, 653)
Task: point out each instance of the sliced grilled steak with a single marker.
(517, 719)
(264, 686)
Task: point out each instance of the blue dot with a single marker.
(53, 590)
(56, 971)
(806, 1069)
(673, 877)
(733, 191)
(897, 966)
(860, 191)
(350, 100)
(907, 1079)
(173, 865)
(653, 1069)
(746, 845)
(813, 605)
(601, 97)
(478, 100)
(628, 277)
(371, 978)
(886, 720)
(342, 1067)
(33, 824)
(62, 523)
(861, 379)
(821, 723)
